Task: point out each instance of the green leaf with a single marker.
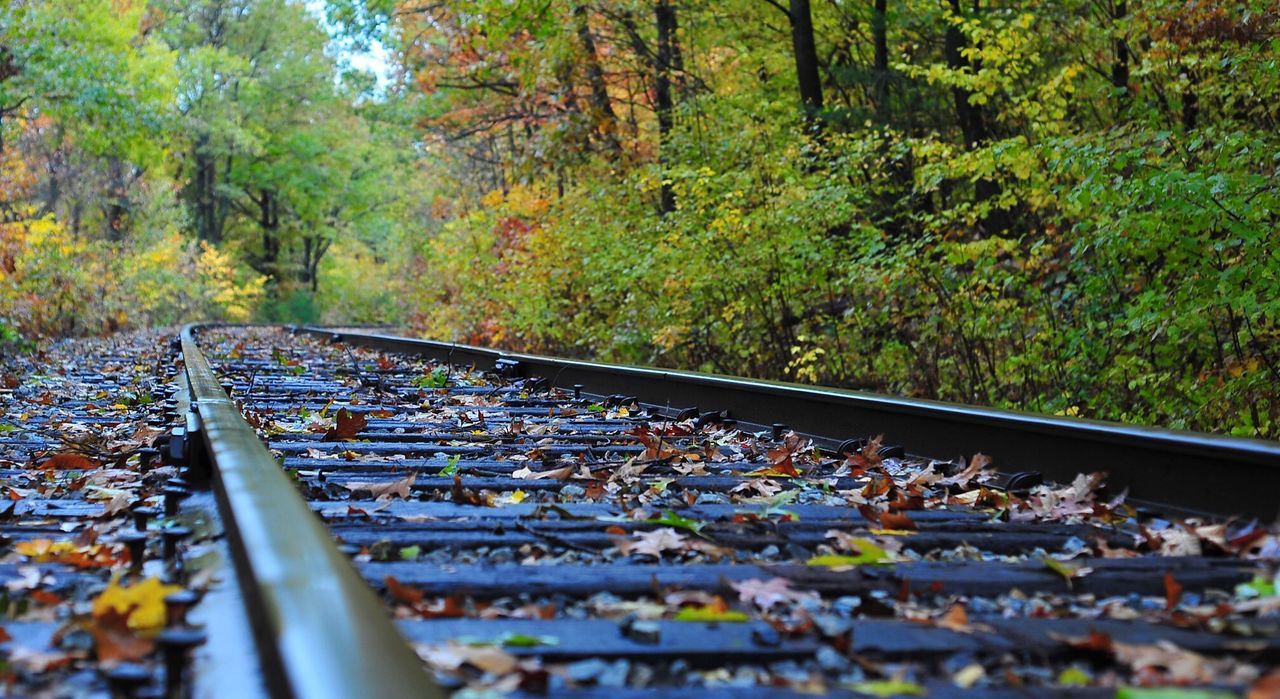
(711, 614)
(451, 467)
(410, 553)
(1073, 677)
(1171, 693)
(888, 688)
(1258, 587)
(672, 519)
(868, 554)
(511, 640)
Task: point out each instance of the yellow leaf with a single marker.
(143, 602)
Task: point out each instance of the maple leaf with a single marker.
(655, 448)
(142, 603)
(114, 641)
(347, 426)
(763, 489)
(653, 543)
(767, 593)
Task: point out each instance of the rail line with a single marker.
(535, 525)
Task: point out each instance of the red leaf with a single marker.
(896, 520)
(348, 425)
(69, 461)
(402, 593)
(1172, 591)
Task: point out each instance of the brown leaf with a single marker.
(68, 461)
(955, 619)
(1266, 687)
(402, 593)
(897, 520)
(976, 464)
(465, 496)
(401, 488)
(114, 641)
(450, 607)
(347, 426)
(1172, 591)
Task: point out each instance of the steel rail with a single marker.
(1187, 470)
(321, 631)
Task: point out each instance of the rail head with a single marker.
(321, 630)
(1187, 470)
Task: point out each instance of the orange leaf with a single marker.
(114, 641)
(896, 520)
(1172, 591)
(402, 593)
(68, 461)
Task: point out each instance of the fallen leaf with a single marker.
(37, 661)
(114, 640)
(452, 656)
(1069, 570)
(402, 593)
(887, 688)
(1266, 687)
(142, 603)
(968, 676)
(955, 619)
(385, 490)
(715, 611)
(672, 519)
(767, 593)
(972, 471)
(653, 543)
(1172, 591)
(897, 521)
(69, 461)
(529, 474)
(346, 427)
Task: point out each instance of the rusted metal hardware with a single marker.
(321, 631)
(1155, 465)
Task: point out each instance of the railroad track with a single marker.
(545, 526)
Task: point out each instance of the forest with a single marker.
(1065, 206)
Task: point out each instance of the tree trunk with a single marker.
(203, 194)
(806, 56)
(605, 118)
(1120, 62)
(880, 65)
(973, 124)
(665, 14)
(269, 223)
(117, 201)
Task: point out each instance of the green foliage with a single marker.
(1003, 225)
